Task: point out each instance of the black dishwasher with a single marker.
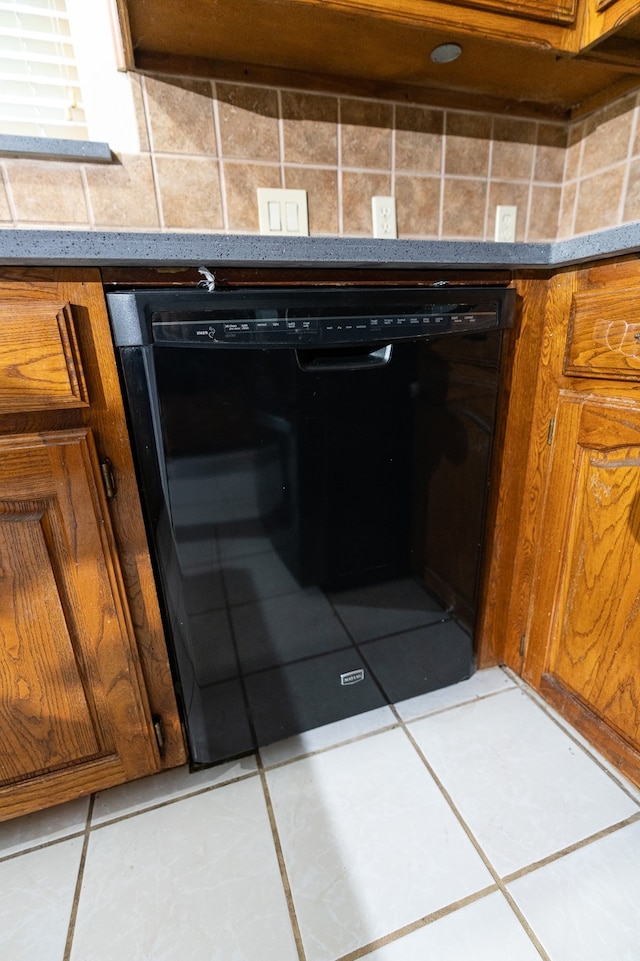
(313, 466)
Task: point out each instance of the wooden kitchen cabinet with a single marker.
(86, 699)
(540, 58)
(583, 634)
(564, 608)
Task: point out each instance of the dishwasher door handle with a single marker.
(344, 358)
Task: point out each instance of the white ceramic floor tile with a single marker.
(36, 898)
(167, 786)
(31, 830)
(629, 787)
(196, 880)
(369, 843)
(525, 789)
(328, 735)
(584, 906)
(489, 681)
(486, 930)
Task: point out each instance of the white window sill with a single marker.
(50, 148)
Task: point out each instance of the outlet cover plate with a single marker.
(383, 213)
(506, 217)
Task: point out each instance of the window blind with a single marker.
(40, 93)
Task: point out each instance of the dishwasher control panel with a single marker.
(306, 317)
(255, 331)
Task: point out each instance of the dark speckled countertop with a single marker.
(123, 248)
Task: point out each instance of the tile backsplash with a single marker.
(206, 145)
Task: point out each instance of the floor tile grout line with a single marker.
(155, 806)
(399, 722)
(328, 747)
(452, 707)
(41, 846)
(533, 937)
(418, 924)
(571, 849)
(78, 889)
(284, 876)
(476, 844)
(559, 721)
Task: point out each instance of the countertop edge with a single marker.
(66, 248)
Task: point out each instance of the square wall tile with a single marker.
(5, 210)
(36, 898)
(180, 115)
(512, 149)
(599, 201)
(552, 135)
(526, 789)
(419, 139)
(248, 119)
(123, 194)
(550, 153)
(575, 139)
(310, 128)
(189, 193)
(198, 879)
(584, 906)
(632, 197)
(357, 191)
(322, 196)
(467, 144)
(366, 134)
(567, 210)
(544, 214)
(464, 208)
(46, 192)
(369, 842)
(137, 93)
(512, 161)
(607, 135)
(417, 205)
(241, 183)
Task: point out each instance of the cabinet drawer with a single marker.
(604, 335)
(40, 366)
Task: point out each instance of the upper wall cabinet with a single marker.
(537, 57)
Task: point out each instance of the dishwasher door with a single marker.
(298, 497)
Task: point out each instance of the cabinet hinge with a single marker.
(108, 478)
(523, 644)
(158, 729)
(552, 424)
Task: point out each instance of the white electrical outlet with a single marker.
(383, 211)
(283, 212)
(506, 217)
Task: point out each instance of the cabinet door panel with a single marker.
(590, 597)
(40, 367)
(69, 681)
(44, 709)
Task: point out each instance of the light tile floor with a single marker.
(465, 825)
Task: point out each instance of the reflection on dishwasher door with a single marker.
(298, 502)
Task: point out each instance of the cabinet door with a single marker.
(585, 626)
(73, 710)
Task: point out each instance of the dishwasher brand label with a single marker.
(352, 677)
